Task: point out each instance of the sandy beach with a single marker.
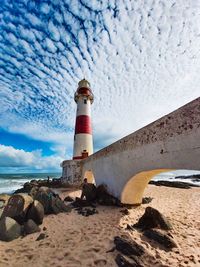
(74, 240)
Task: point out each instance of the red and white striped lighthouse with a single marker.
(83, 141)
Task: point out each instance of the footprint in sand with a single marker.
(100, 262)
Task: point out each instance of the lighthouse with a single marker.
(83, 141)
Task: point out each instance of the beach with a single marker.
(74, 240)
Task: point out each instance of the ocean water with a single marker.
(11, 182)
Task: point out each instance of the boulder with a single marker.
(30, 227)
(9, 229)
(152, 218)
(105, 198)
(33, 191)
(51, 202)
(89, 191)
(17, 207)
(57, 205)
(44, 197)
(36, 212)
(162, 238)
(4, 199)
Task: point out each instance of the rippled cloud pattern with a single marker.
(141, 58)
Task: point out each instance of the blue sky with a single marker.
(141, 58)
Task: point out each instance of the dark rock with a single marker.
(146, 200)
(36, 212)
(87, 212)
(182, 185)
(79, 203)
(30, 227)
(123, 261)
(9, 229)
(152, 218)
(162, 238)
(41, 237)
(44, 228)
(57, 205)
(89, 191)
(105, 198)
(44, 197)
(51, 202)
(33, 191)
(125, 211)
(69, 199)
(128, 248)
(17, 207)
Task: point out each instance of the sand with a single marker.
(75, 240)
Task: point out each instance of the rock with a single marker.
(123, 261)
(161, 238)
(68, 199)
(87, 212)
(51, 202)
(33, 191)
(44, 228)
(173, 184)
(30, 227)
(44, 197)
(125, 212)
(57, 205)
(89, 191)
(41, 236)
(128, 248)
(9, 229)
(36, 212)
(152, 218)
(78, 203)
(146, 200)
(105, 198)
(4, 198)
(17, 207)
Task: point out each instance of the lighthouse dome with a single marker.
(84, 90)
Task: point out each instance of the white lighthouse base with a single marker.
(71, 172)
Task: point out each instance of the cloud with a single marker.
(141, 58)
(13, 158)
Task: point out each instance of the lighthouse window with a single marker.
(85, 101)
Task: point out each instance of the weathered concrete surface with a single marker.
(126, 166)
(172, 142)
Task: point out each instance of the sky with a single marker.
(140, 57)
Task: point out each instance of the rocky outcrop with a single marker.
(27, 188)
(152, 218)
(9, 229)
(105, 198)
(27, 213)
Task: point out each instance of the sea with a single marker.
(11, 182)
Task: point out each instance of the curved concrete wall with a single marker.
(172, 142)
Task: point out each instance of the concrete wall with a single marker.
(172, 142)
(71, 171)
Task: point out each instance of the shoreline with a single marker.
(74, 240)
